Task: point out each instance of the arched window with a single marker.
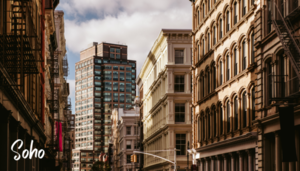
(203, 86)
(213, 69)
(244, 55)
(269, 82)
(221, 28)
(208, 5)
(221, 73)
(199, 88)
(215, 121)
(208, 125)
(208, 81)
(244, 7)
(244, 109)
(208, 41)
(228, 115)
(235, 61)
(228, 68)
(203, 47)
(227, 21)
(253, 103)
(203, 128)
(199, 129)
(236, 114)
(252, 48)
(221, 119)
(198, 17)
(215, 37)
(203, 10)
(198, 51)
(235, 8)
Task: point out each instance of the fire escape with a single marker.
(20, 42)
(286, 87)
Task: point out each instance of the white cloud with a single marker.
(135, 23)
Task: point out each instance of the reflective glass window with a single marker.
(116, 76)
(115, 86)
(122, 87)
(107, 86)
(107, 97)
(128, 76)
(122, 76)
(107, 75)
(128, 98)
(128, 87)
(116, 97)
(122, 98)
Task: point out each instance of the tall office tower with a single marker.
(105, 79)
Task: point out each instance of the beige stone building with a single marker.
(224, 137)
(245, 70)
(166, 98)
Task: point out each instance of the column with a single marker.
(285, 166)
(212, 163)
(241, 166)
(232, 157)
(292, 166)
(250, 162)
(219, 158)
(206, 164)
(277, 152)
(225, 162)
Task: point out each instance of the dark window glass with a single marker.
(235, 61)
(203, 47)
(115, 76)
(107, 75)
(107, 86)
(221, 29)
(115, 67)
(244, 109)
(208, 41)
(98, 83)
(107, 97)
(122, 98)
(244, 55)
(235, 13)
(236, 115)
(112, 55)
(203, 9)
(228, 67)
(112, 49)
(215, 121)
(180, 144)
(179, 112)
(128, 130)
(128, 87)
(118, 56)
(244, 7)
(116, 97)
(179, 83)
(97, 78)
(128, 98)
(179, 57)
(228, 116)
(215, 33)
(227, 21)
(97, 72)
(221, 73)
(252, 48)
(128, 76)
(97, 67)
(122, 87)
(221, 119)
(122, 76)
(128, 68)
(118, 51)
(107, 67)
(97, 88)
(253, 103)
(115, 86)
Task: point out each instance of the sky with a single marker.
(135, 23)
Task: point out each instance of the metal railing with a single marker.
(283, 87)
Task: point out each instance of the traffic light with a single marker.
(131, 158)
(134, 158)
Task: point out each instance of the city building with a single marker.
(125, 138)
(223, 85)
(246, 85)
(277, 85)
(105, 79)
(166, 94)
(25, 38)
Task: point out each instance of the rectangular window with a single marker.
(115, 67)
(128, 87)
(97, 78)
(107, 67)
(107, 86)
(122, 76)
(179, 56)
(179, 83)
(128, 68)
(107, 75)
(112, 49)
(128, 159)
(121, 68)
(122, 98)
(115, 76)
(128, 76)
(97, 61)
(107, 106)
(97, 88)
(98, 72)
(180, 144)
(179, 112)
(97, 67)
(116, 97)
(122, 87)
(98, 83)
(118, 56)
(112, 55)
(128, 130)
(107, 97)
(115, 86)
(128, 98)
